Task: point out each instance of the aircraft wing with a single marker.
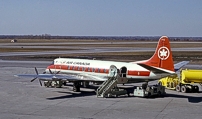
(46, 76)
(68, 77)
(180, 65)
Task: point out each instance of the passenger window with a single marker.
(93, 70)
(83, 68)
(88, 68)
(104, 70)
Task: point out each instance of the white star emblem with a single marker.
(163, 53)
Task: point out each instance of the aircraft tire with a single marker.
(76, 87)
(45, 84)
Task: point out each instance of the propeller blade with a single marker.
(50, 71)
(36, 71)
(33, 79)
(58, 72)
(40, 82)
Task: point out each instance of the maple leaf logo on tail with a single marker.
(163, 53)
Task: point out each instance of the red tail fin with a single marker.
(162, 57)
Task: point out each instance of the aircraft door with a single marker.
(123, 72)
(113, 71)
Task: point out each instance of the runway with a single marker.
(87, 47)
(20, 98)
(97, 50)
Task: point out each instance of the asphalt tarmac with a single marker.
(22, 99)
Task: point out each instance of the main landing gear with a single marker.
(76, 86)
(58, 84)
(53, 84)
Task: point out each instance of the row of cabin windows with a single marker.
(87, 69)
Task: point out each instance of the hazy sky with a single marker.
(101, 17)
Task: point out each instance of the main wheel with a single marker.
(178, 89)
(76, 86)
(45, 84)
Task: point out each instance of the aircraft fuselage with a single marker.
(129, 72)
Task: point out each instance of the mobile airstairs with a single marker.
(109, 87)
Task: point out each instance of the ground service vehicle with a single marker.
(149, 91)
(185, 82)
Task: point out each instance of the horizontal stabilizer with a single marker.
(180, 65)
(153, 69)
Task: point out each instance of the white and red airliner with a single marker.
(79, 70)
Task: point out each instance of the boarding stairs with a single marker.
(109, 85)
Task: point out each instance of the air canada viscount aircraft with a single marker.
(85, 70)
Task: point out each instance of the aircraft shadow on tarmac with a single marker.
(71, 94)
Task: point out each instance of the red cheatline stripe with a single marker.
(96, 70)
(138, 73)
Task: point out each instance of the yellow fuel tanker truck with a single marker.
(185, 82)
